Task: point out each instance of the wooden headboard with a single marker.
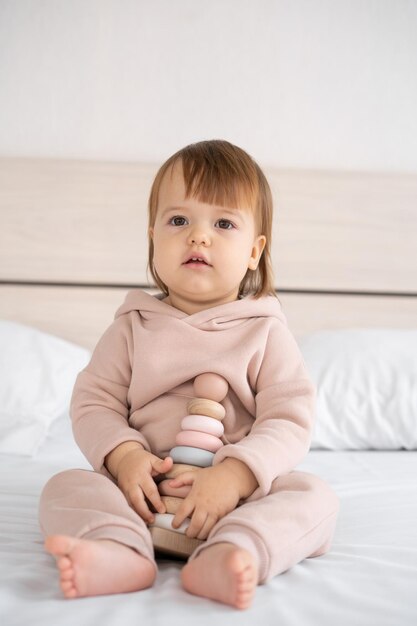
(73, 241)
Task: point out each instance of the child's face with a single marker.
(225, 238)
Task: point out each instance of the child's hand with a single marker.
(135, 473)
(213, 494)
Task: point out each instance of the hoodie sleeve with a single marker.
(285, 397)
(99, 406)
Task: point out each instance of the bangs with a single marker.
(215, 174)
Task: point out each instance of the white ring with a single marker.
(164, 520)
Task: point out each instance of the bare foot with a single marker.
(222, 572)
(91, 568)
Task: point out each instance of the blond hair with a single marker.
(218, 172)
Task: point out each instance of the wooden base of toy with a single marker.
(171, 542)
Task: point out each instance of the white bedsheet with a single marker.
(368, 578)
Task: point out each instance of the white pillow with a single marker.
(366, 388)
(37, 374)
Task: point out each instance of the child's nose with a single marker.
(198, 237)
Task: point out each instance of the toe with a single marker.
(66, 585)
(71, 593)
(64, 563)
(67, 574)
(244, 600)
(59, 545)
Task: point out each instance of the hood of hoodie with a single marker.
(219, 317)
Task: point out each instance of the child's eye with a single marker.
(225, 224)
(177, 220)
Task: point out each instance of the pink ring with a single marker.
(196, 439)
(203, 424)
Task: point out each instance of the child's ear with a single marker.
(257, 249)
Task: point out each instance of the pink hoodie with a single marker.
(140, 378)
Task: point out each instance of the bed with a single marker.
(73, 241)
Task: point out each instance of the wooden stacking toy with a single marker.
(196, 445)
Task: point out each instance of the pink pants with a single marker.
(294, 521)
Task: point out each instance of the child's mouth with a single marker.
(197, 261)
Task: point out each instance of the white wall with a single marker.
(297, 83)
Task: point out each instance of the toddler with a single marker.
(210, 222)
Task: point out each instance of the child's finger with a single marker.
(184, 511)
(198, 521)
(137, 501)
(161, 466)
(187, 478)
(165, 489)
(206, 528)
(151, 492)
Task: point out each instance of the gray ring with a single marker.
(191, 456)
